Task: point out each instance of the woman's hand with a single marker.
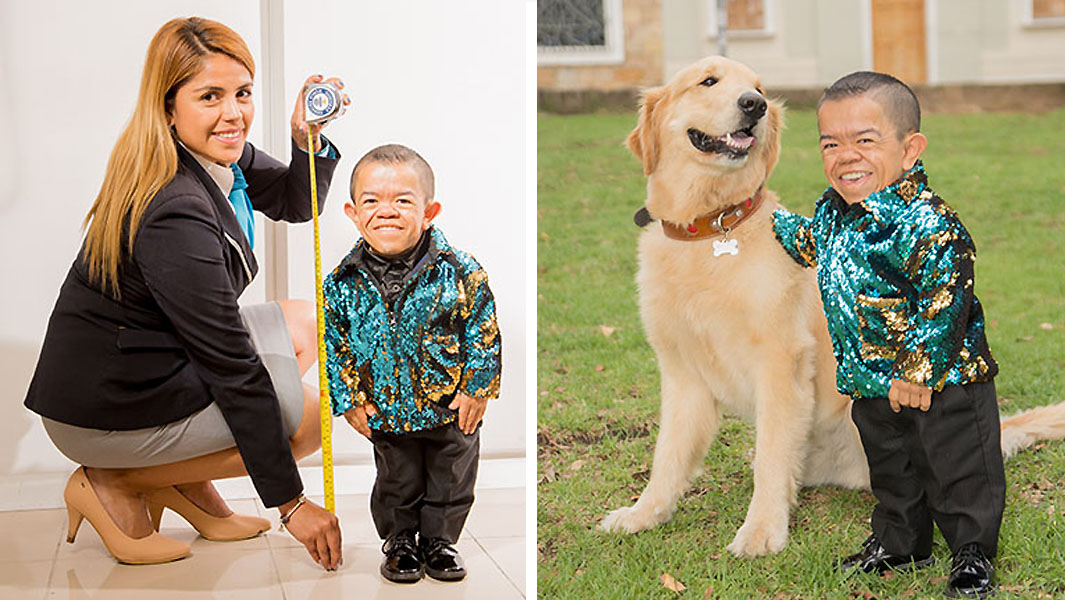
(317, 529)
(299, 123)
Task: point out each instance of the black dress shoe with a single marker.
(402, 562)
(874, 558)
(971, 574)
(442, 560)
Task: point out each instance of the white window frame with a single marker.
(1029, 20)
(612, 52)
(931, 41)
(768, 29)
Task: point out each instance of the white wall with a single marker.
(446, 79)
(447, 82)
(1032, 53)
(814, 42)
(792, 52)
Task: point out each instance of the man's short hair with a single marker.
(897, 99)
(398, 154)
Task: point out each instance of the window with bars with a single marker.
(570, 23)
(579, 32)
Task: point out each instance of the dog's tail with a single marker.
(1023, 429)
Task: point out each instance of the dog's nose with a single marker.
(752, 104)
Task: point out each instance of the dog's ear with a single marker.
(643, 141)
(772, 142)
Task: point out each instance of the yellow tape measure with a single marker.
(324, 407)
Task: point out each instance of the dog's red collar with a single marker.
(716, 223)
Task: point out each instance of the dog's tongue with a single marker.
(740, 139)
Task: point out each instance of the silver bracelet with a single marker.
(288, 515)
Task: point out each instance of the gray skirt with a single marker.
(203, 432)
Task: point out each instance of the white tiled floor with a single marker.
(36, 563)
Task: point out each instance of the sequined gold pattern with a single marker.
(896, 278)
(439, 338)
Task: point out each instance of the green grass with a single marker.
(598, 395)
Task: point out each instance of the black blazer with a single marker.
(174, 341)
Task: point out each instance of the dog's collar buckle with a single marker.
(721, 222)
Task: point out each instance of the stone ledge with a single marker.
(585, 101)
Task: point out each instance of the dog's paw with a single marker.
(629, 519)
(759, 539)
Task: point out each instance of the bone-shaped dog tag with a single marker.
(726, 246)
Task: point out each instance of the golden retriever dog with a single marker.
(735, 323)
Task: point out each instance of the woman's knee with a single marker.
(308, 437)
(301, 322)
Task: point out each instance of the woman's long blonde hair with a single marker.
(145, 157)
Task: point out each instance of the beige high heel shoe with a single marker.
(83, 503)
(217, 529)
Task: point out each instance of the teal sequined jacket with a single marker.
(896, 278)
(438, 338)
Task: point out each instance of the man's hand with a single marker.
(470, 411)
(357, 417)
(903, 393)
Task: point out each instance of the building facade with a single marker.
(807, 44)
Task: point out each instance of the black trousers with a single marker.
(424, 481)
(944, 465)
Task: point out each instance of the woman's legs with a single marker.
(300, 320)
(122, 491)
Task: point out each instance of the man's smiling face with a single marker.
(390, 208)
(861, 148)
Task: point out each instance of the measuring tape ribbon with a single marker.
(325, 409)
(322, 102)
